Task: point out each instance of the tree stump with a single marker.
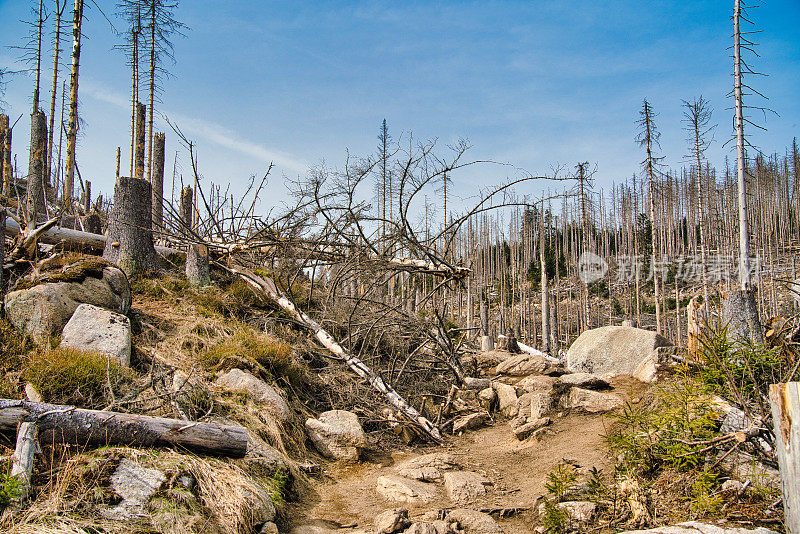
(197, 265)
(695, 314)
(186, 210)
(740, 313)
(130, 238)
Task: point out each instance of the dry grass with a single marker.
(77, 377)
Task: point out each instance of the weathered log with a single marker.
(79, 427)
(785, 403)
(269, 288)
(158, 181)
(130, 237)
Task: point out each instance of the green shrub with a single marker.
(10, 489)
(70, 376)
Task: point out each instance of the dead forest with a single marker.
(381, 291)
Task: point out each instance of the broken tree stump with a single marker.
(25, 455)
(130, 237)
(158, 181)
(79, 427)
(197, 265)
(784, 400)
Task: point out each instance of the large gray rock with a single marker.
(474, 522)
(527, 364)
(430, 527)
(538, 383)
(617, 350)
(428, 467)
(337, 434)
(260, 391)
(405, 490)
(392, 521)
(584, 380)
(48, 300)
(693, 527)
(96, 329)
(592, 401)
(469, 422)
(465, 486)
(506, 398)
(135, 484)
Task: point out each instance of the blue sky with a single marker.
(534, 84)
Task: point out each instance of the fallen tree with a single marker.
(269, 288)
(75, 426)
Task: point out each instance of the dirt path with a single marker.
(347, 495)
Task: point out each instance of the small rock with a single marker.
(593, 401)
(260, 391)
(507, 398)
(428, 467)
(733, 485)
(337, 434)
(477, 383)
(474, 522)
(580, 511)
(392, 521)
(523, 365)
(401, 489)
(269, 528)
(465, 486)
(541, 404)
(487, 397)
(135, 484)
(92, 328)
(584, 380)
(524, 431)
(538, 383)
(468, 422)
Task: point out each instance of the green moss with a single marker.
(68, 267)
(70, 376)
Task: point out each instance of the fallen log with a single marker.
(269, 288)
(75, 426)
(55, 235)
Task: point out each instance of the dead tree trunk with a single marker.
(740, 312)
(87, 198)
(130, 239)
(8, 173)
(3, 130)
(76, 426)
(24, 456)
(35, 208)
(157, 181)
(186, 210)
(139, 158)
(72, 129)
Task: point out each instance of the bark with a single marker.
(139, 157)
(79, 427)
(197, 265)
(152, 90)
(35, 209)
(271, 290)
(130, 239)
(2, 255)
(157, 181)
(72, 128)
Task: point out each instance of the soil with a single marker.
(345, 495)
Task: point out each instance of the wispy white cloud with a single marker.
(203, 129)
